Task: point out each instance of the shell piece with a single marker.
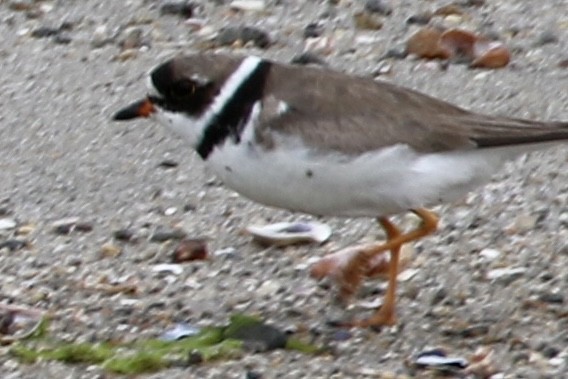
(332, 264)
(180, 331)
(438, 359)
(288, 233)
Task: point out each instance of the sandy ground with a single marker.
(61, 156)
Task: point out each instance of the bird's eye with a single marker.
(182, 88)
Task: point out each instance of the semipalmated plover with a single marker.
(321, 142)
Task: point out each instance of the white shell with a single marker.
(287, 233)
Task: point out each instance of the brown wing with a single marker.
(355, 115)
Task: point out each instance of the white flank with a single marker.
(382, 182)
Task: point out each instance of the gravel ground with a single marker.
(495, 275)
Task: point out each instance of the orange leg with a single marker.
(386, 314)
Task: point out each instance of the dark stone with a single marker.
(378, 6)
(313, 30)
(162, 235)
(44, 32)
(168, 163)
(177, 8)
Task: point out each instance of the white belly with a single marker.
(378, 183)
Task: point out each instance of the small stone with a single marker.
(133, 39)
(190, 250)
(546, 37)
(396, 53)
(228, 251)
(125, 235)
(420, 19)
(14, 244)
(163, 234)
(506, 276)
(551, 298)
(268, 288)
(108, 250)
(70, 224)
(170, 211)
(168, 268)
(449, 10)
(489, 254)
(21, 5)
(308, 58)
(168, 163)
(378, 6)
(44, 31)
(62, 39)
(7, 224)
(253, 375)
(342, 335)
(367, 21)
(177, 8)
(313, 30)
(100, 37)
(231, 36)
(475, 331)
(440, 294)
(524, 223)
(24, 230)
(126, 55)
(248, 5)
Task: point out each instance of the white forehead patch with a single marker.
(152, 91)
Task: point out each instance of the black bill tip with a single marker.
(142, 108)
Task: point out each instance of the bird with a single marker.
(318, 141)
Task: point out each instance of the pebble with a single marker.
(175, 269)
(177, 8)
(21, 5)
(125, 235)
(367, 21)
(7, 223)
(14, 244)
(163, 234)
(70, 224)
(489, 255)
(44, 32)
(308, 58)
(243, 35)
(248, 5)
(190, 249)
(420, 19)
(100, 37)
(168, 163)
(546, 37)
(133, 39)
(170, 211)
(524, 223)
(552, 298)
(108, 250)
(506, 275)
(378, 6)
(313, 30)
(268, 288)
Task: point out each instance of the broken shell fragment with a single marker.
(288, 233)
(425, 43)
(333, 264)
(437, 359)
(490, 54)
(458, 44)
